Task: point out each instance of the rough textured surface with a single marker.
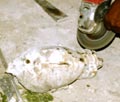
(23, 24)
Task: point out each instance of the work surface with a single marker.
(24, 24)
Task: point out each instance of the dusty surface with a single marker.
(24, 24)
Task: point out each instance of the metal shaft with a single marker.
(52, 11)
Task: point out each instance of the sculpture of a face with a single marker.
(51, 68)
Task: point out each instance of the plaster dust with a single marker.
(24, 24)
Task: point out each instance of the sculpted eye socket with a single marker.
(27, 61)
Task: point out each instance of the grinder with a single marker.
(92, 33)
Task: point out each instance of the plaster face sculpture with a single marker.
(51, 68)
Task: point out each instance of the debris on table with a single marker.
(8, 86)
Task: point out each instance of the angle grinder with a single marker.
(92, 33)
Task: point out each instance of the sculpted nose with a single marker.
(100, 63)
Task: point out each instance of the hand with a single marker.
(112, 17)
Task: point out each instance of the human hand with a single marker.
(112, 17)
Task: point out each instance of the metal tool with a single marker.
(52, 11)
(92, 33)
(7, 83)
